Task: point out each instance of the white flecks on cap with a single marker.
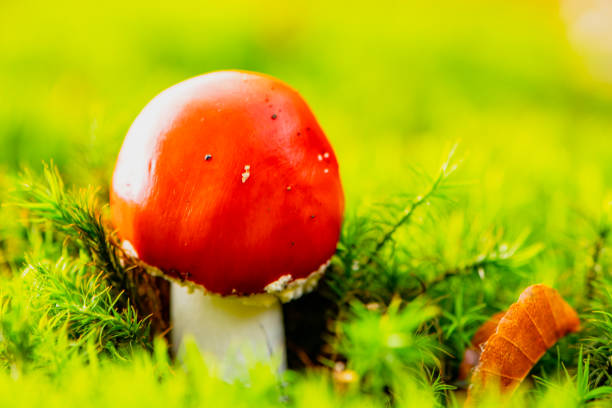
(325, 171)
(326, 155)
(247, 173)
(320, 157)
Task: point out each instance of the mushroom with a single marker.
(227, 186)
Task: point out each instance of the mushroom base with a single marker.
(234, 333)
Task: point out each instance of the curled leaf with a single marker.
(531, 326)
(472, 353)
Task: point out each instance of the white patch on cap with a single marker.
(128, 248)
(247, 173)
(279, 284)
(287, 289)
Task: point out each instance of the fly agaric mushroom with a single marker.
(227, 186)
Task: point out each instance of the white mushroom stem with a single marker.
(235, 330)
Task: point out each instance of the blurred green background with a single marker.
(523, 86)
(394, 84)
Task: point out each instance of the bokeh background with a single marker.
(522, 87)
(525, 87)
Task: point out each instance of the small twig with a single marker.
(459, 271)
(445, 172)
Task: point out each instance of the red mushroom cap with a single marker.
(226, 180)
